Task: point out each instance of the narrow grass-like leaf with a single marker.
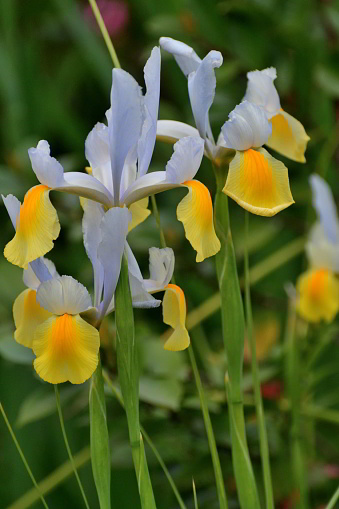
(195, 495)
(334, 500)
(100, 447)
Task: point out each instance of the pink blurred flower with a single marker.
(115, 15)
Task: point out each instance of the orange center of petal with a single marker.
(62, 336)
(317, 284)
(28, 212)
(258, 173)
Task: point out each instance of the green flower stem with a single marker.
(127, 359)
(105, 33)
(264, 452)
(334, 500)
(22, 456)
(62, 424)
(233, 324)
(292, 374)
(204, 408)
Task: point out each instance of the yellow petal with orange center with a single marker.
(195, 211)
(139, 212)
(174, 314)
(37, 225)
(66, 349)
(318, 291)
(288, 137)
(258, 182)
(28, 314)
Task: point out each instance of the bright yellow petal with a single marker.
(139, 212)
(258, 182)
(195, 211)
(174, 314)
(66, 349)
(288, 137)
(28, 314)
(37, 226)
(318, 291)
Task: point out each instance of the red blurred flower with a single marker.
(272, 389)
(115, 15)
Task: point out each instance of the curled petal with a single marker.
(37, 226)
(161, 267)
(195, 211)
(186, 160)
(288, 137)
(262, 92)
(184, 55)
(47, 169)
(63, 295)
(171, 131)
(258, 183)
(139, 211)
(28, 314)
(174, 314)
(66, 349)
(318, 291)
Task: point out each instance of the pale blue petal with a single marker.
(262, 92)
(325, 206)
(63, 295)
(140, 296)
(38, 271)
(12, 205)
(125, 123)
(186, 160)
(161, 267)
(47, 169)
(185, 56)
(98, 155)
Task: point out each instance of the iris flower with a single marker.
(318, 287)
(119, 155)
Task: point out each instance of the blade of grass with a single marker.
(22, 456)
(105, 33)
(195, 495)
(334, 500)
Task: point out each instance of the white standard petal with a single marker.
(171, 131)
(161, 267)
(262, 92)
(185, 56)
(247, 127)
(98, 155)
(151, 107)
(47, 169)
(63, 295)
(87, 186)
(125, 124)
(201, 89)
(185, 161)
(114, 229)
(325, 206)
(12, 205)
(39, 271)
(321, 252)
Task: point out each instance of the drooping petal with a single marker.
(258, 183)
(318, 291)
(320, 251)
(66, 349)
(161, 267)
(151, 106)
(125, 124)
(37, 225)
(98, 155)
(139, 211)
(38, 271)
(186, 160)
(288, 137)
(185, 56)
(174, 315)
(201, 89)
(114, 229)
(151, 183)
(63, 295)
(28, 314)
(323, 202)
(47, 169)
(86, 186)
(12, 205)
(246, 128)
(262, 92)
(171, 131)
(195, 211)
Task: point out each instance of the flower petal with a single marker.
(28, 314)
(139, 211)
(186, 160)
(174, 315)
(66, 349)
(12, 205)
(40, 270)
(184, 55)
(320, 251)
(318, 295)
(288, 137)
(262, 92)
(171, 131)
(63, 295)
(161, 267)
(258, 183)
(247, 127)
(98, 155)
(47, 169)
(195, 211)
(36, 227)
(325, 206)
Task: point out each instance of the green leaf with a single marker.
(328, 80)
(12, 351)
(144, 481)
(160, 363)
(165, 393)
(100, 447)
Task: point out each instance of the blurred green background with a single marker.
(55, 81)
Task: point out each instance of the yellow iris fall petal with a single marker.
(28, 314)
(139, 212)
(195, 211)
(37, 226)
(66, 349)
(174, 314)
(288, 137)
(258, 182)
(318, 291)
